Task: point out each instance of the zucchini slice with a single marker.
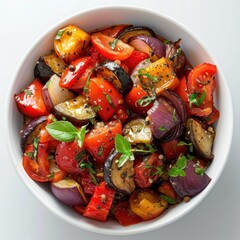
(76, 110)
(116, 75)
(201, 138)
(120, 179)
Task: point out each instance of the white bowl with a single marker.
(170, 29)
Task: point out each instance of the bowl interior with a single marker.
(162, 25)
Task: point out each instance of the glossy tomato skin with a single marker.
(172, 150)
(145, 170)
(135, 58)
(97, 99)
(132, 98)
(104, 44)
(113, 30)
(74, 72)
(100, 203)
(115, 96)
(65, 155)
(30, 102)
(201, 79)
(37, 169)
(100, 141)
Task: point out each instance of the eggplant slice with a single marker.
(120, 179)
(201, 137)
(137, 131)
(116, 75)
(47, 66)
(76, 110)
(133, 31)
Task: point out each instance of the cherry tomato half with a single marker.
(111, 48)
(30, 101)
(135, 58)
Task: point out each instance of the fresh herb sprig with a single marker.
(178, 168)
(124, 147)
(65, 131)
(146, 100)
(143, 72)
(113, 43)
(196, 100)
(190, 145)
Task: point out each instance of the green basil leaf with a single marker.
(122, 145)
(199, 171)
(162, 128)
(63, 131)
(175, 172)
(81, 135)
(168, 199)
(122, 160)
(181, 162)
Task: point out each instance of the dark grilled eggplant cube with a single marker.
(120, 179)
(76, 110)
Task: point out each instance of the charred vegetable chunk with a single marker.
(75, 110)
(201, 138)
(176, 56)
(158, 76)
(137, 131)
(120, 179)
(133, 31)
(70, 43)
(47, 66)
(116, 75)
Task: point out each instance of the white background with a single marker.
(216, 23)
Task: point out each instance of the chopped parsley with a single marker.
(196, 101)
(162, 128)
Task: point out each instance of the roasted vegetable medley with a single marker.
(119, 122)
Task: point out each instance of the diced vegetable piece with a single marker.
(100, 203)
(167, 189)
(47, 66)
(31, 131)
(70, 43)
(133, 31)
(201, 138)
(69, 192)
(147, 204)
(159, 76)
(148, 169)
(191, 184)
(30, 101)
(176, 56)
(76, 110)
(53, 94)
(100, 140)
(124, 215)
(116, 75)
(120, 179)
(137, 131)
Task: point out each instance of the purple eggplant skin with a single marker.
(42, 71)
(191, 184)
(32, 128)
(120, 179)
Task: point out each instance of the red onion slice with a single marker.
(192, 183)
(155, 44)
(163, 117)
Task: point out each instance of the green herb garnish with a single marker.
(51, 176)
(84, 165)
(199, 171)
(149, 149)
(27, 91)
(174, 115)
(145, 100)
(96, 108)
(155, 170)
(113, 43)
(100, 151)
(167, 42)
(168, 199)
(59, 33)
(143, 72)
(85, 89)
(65, 131)
(109, 100)
(123, 147)
(162, 128)
(178, 168)
(182, 143)
(35, 147)
(29, 154)
(196, 101)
